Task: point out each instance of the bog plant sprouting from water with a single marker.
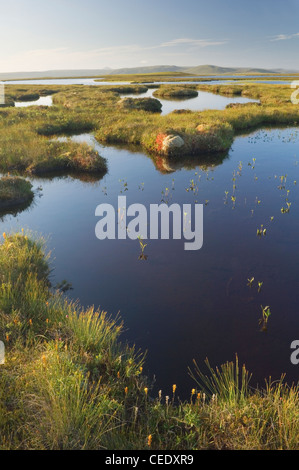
(166, 196)
(261, 232)
(142, 256)
(192, 187)
(250, 284)
(259, 286)
(124, 186)
(263, 322)
(286, 210)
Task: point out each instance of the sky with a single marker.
(40, 35)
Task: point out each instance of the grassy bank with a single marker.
(68, 382)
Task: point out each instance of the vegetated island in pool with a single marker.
(14, 191)
(113, 120)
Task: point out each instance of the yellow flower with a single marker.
(4, 235)
(149, 440)
(146, 390)
(193, 391)
(126, 390)
(30, 322)
(141, 369)
(174, 387)
(118, 375)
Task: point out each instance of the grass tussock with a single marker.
(169, 92)
(143, 104)
(14, 191)
(69, 383)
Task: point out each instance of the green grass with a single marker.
(68, 383)
(79, 109)
(141, 104)
(14, 191)
(168, 92)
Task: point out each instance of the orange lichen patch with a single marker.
(160, 141)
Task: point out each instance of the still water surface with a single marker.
(182, 305)
(204, 100)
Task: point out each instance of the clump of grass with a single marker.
(14, 191)
(228, 383)
(176, 91)
(64, 126)
(144, 104)
(128, 89)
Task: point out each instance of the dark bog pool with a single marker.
(183, 305)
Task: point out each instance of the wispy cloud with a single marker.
(284, 37)
(192, 42)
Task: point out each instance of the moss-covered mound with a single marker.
(80, 158)
(176, 92)
(141, 104)
(14, 191)
(128, 89)
(204, 139)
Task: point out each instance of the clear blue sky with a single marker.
(75, 34)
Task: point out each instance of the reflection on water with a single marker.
(182, 305)
(14, 209)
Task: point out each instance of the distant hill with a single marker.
(215, 70)
(152, 69)
(199, 70)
